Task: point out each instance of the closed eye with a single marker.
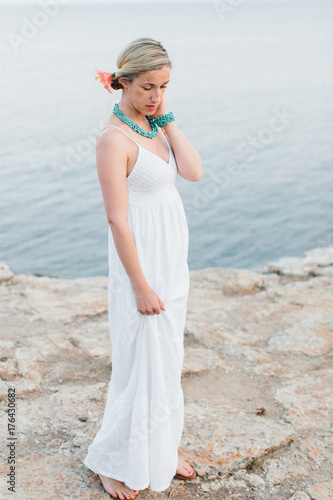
(149, 88)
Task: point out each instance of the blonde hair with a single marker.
(143, 54)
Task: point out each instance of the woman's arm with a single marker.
(111, 161)
(187, 157)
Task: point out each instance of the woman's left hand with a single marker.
(161, 109)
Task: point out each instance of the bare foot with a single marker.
(117, 489)
(185, 469)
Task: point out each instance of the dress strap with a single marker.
(166, 140)
(121, 130)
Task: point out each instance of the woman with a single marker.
(139, 154)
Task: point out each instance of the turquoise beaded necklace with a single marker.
(134, 126)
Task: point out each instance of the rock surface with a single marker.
(257, 380)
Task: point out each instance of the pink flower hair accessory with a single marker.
(105, 78)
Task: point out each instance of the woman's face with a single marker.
(146, 91)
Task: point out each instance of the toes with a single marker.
(115, 494)
(111, 492)
(122, 493)
(187, 468)
(130, 492)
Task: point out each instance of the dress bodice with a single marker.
(151, 178)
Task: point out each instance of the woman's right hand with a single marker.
(148, 301)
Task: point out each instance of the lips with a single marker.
(151, 107)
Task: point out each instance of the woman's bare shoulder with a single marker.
(108, 126)
(114, 147)
(108, 132)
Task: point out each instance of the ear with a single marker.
(120, 80)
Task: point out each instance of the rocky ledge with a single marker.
(257, 380)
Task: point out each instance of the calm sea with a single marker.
(251, 88)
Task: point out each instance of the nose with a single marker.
(156, 97)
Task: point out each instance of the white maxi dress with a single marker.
(143, 419)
